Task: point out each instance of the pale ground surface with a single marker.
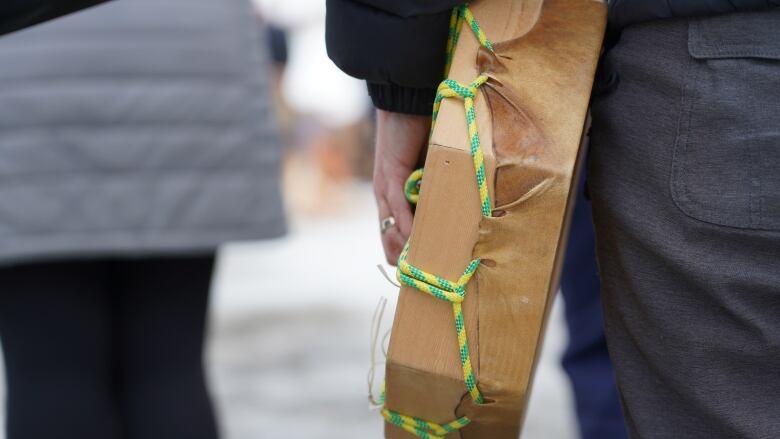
(290, 345)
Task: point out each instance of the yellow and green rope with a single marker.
(422, 428)
(453, 292)
(453, 89)
(459, 15)
(412, 186)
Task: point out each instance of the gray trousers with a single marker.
(684, 175)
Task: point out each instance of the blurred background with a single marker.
(289, 338)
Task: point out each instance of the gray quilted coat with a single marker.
(136, 128)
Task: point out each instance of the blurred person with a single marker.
(683, 177)
(402, 75)
(277, 41)
(135, 138)
(331, 110)
(311, 84)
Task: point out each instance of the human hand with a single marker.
(401, 141)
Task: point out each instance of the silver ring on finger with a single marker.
(386, 223)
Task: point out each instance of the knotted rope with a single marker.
(453, 292)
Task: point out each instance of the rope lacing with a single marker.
(453, 292)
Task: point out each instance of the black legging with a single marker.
(106, 349)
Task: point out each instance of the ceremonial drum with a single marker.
(482, 264)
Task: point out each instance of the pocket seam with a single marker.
(679, 184)
(700, 47)
(735, 53)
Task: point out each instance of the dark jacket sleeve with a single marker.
(624, 13)
(397, 46)
(18, 14)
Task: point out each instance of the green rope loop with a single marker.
(412, 186)
(422, 428)
(453, 292)
(468, 92)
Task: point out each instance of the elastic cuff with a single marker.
(399, 99)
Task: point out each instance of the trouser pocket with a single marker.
(726, 167)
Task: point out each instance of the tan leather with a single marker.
(531, 116)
